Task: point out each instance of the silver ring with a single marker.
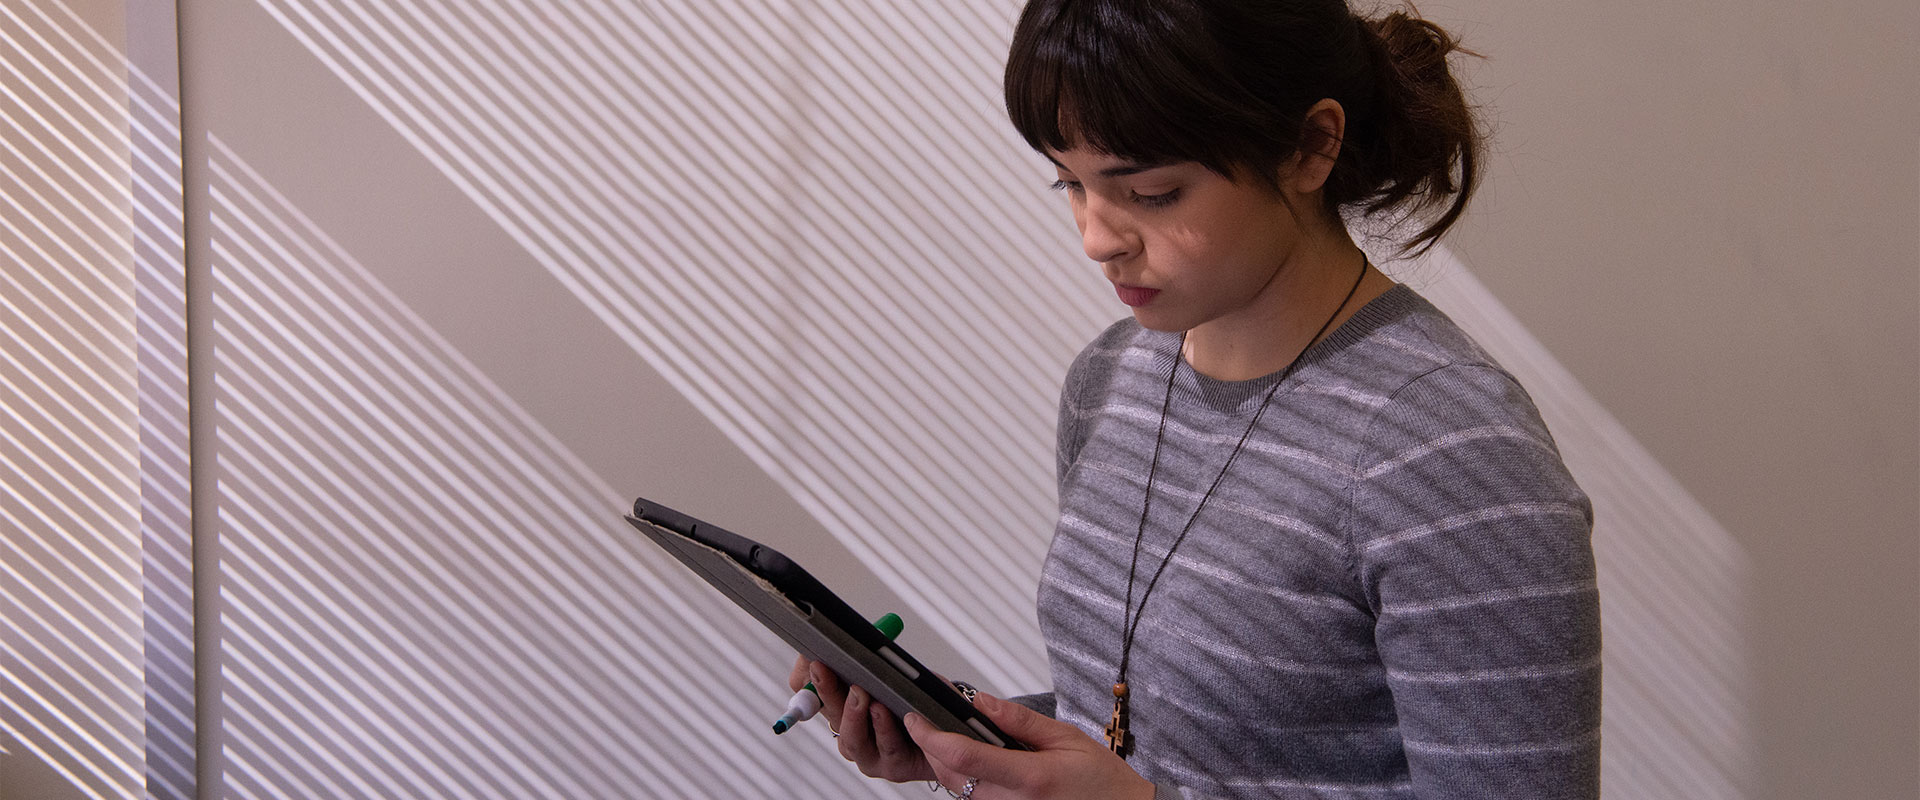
(967, 790)
(966, 690)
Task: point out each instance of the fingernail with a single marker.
(856, 698)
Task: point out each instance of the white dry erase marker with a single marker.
(806, 702)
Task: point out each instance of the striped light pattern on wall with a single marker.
(71, 668)
(808, 214)
(422, 594)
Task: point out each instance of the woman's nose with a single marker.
(1105, 234)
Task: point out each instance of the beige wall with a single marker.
(1711, 214)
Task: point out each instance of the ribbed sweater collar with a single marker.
(1192, 389)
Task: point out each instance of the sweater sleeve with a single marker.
(1067, 427)
(1473, 548)
(1042, 703)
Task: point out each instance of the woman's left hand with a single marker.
(1065, 763)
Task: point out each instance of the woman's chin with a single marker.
(1152, 320)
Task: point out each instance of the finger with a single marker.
(952, 754)
(952, 781)
(797, 679)
(900, 758)
(974, 758)
(833, 696)
(856, 733)
(1032, 728)
(953, 777)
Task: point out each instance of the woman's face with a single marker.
(1182, 245)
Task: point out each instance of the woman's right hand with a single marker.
(868, 733)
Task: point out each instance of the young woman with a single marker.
(1313, 541)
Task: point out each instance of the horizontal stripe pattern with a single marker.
(1404, 559)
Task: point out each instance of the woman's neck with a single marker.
(1283, 321)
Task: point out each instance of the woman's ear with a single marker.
(1320, 136)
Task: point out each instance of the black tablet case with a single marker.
(792, 603)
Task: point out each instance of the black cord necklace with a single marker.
(1118, 739)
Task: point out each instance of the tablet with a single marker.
(791, 603)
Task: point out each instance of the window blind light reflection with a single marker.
(426, 595)
(71, 668)
(834, 292)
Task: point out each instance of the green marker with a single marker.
(806, 702)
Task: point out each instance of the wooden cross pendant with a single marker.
(1118, 739)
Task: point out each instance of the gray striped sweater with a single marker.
(1391, 594)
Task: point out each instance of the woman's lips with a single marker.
(1134, 295)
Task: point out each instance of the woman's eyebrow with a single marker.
(1121, 170)
(1129, 168)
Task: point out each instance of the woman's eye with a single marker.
(1070, 187)
(1161, 200)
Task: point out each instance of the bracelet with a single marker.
(966, 690)
(966, 791)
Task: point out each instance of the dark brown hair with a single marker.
(1227, 84)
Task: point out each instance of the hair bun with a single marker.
(1415, 47)
(1422, 153)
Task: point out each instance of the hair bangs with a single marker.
(1094, 74)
